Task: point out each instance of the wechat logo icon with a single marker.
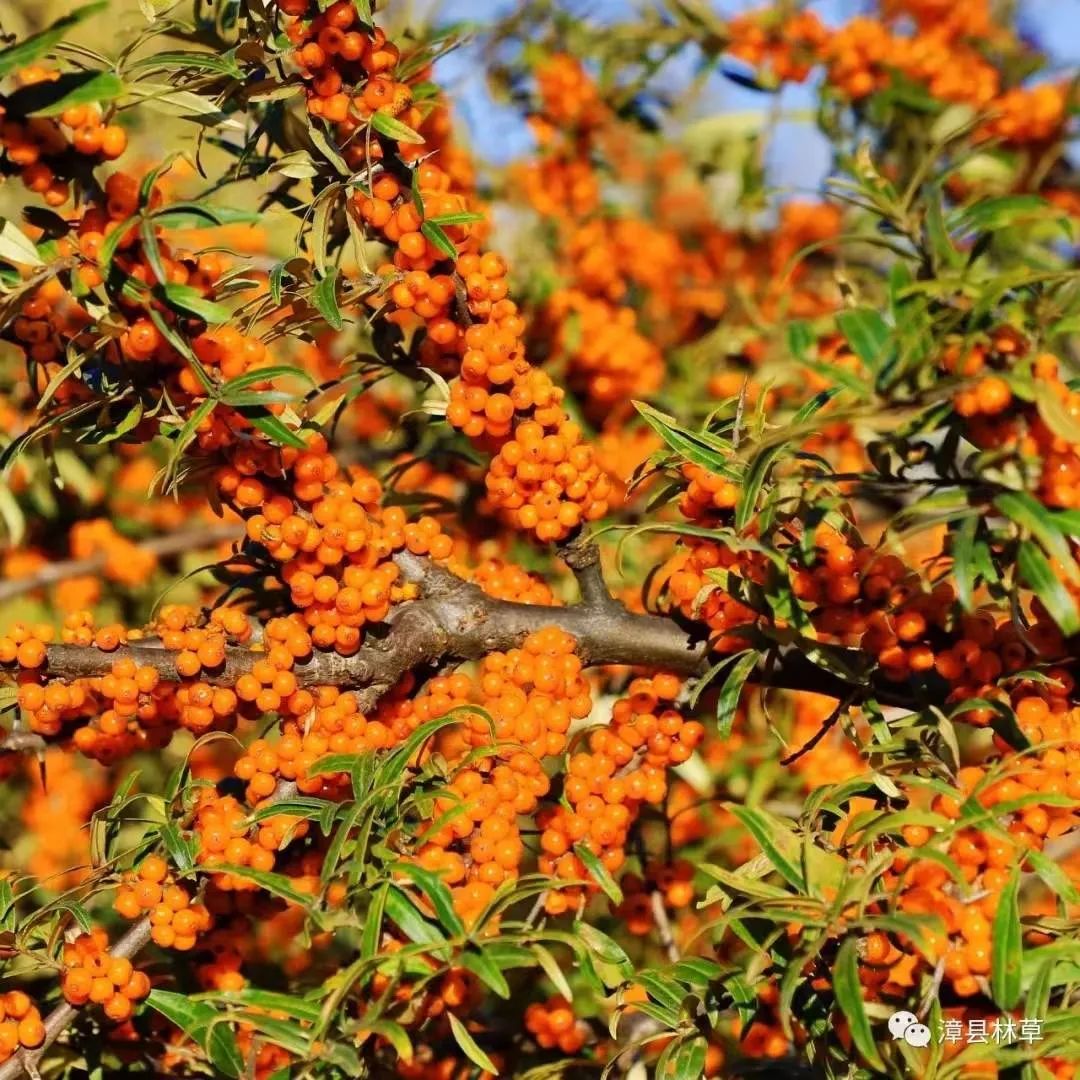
(905, 1025)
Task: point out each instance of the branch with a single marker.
(583, 558)
(453, 619)
(456, 620)
(25, 1061)
(663, 926)
(161, 546)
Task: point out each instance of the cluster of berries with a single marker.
(626, 765)
(944, 51)
(151, 890)
(21, 1026)
(93, 974)
(41, 148)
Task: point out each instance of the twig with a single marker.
(827, 726)
(663, 926)
(161, 546)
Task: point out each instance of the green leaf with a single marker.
(258, 375)
(731, 691)
(170, 334)
(772, 835)
(372, 932)
(1037, 574)
(435, 235)
(599, 872)
(386, 125)
(554, 971)
(1056, 879)
(333, 763)
(275, 884)
(687, 1061)
(107, 251)
(328, 149)
(179, 849)
(662, 988)
(965, 573)
(411, 923)
(756, 475)
(187, 432)
(989, 215)
(414, 191)
(324, 297)
(937, 234)
(277, 431)
(437, 891)
(148, 236)
(868, 335)
(848, 990)
(392, 1032)
(1007, 948)
(192, 215)
(222, 64)
(284, 1033)
(295, 1007)
(363, 9)
(16, 246)
(487, 970)
(185, 298)
(393, 767)
(1037, 997)
(702, 447)
(469, 1047)
(325, 204)
(8, 919)
(26, 52)
(50, 98)
(462, 217)
(197, 1020)
(800, 338)
(604, 948)
(1030, 514)
(1054, 414)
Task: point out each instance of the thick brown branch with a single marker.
(455, 619)
(204, 536)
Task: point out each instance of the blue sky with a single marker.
(797, 157)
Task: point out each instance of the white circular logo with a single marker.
(905, 1025)
(917, 1035)
(899, 1021)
